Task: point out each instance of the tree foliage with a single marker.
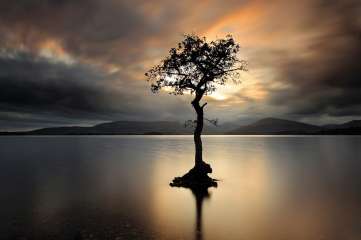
(198, 66)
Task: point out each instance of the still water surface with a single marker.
(116, 187)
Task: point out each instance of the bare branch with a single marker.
(190, 123)
(213, 121)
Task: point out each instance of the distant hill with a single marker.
(144, 127)
(277, 126)
(351, 124)
(266, 126)
(119, 128)
(125, 128)
(349, 128)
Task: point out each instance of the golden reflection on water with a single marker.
(256, 199)
(248, 191)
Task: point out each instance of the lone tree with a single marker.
(197, 67)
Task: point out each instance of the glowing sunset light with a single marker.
(293, 48)
(53, 50)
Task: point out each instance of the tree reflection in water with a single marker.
(200, 193)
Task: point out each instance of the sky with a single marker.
(82, 62)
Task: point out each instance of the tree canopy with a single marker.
(198, 66)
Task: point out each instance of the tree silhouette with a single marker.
(197, 67)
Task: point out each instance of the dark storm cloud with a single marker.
(35, 84)
(86, 28)
(328, 81)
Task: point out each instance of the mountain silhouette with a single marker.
(277, 126)
(122, 128)
(266, 126)
(347, 125)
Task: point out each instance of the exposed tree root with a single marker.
(197, 177)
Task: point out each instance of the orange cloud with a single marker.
(53, 50)
(241, 20)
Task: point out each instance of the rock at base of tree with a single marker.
(197, 177)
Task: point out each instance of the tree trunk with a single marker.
(198, 175)
(198, 131)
